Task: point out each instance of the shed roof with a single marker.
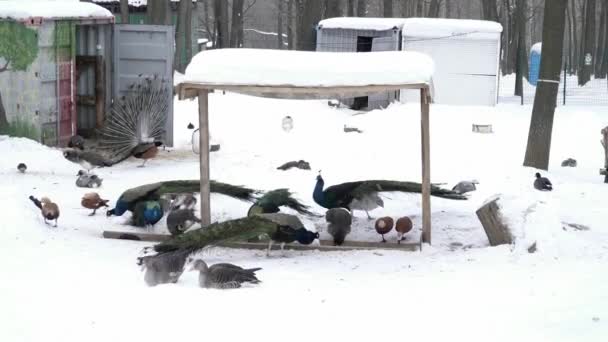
(425, 27)
(306, 74)
(15, 9)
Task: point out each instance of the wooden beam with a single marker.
(203, 117)
(426, 165)
(296, 92)
(325, 245)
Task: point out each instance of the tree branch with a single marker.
(249, 5)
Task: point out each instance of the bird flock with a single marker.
(176, 201)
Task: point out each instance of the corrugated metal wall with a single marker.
(93, 40)
(341, 40)
(345, 40)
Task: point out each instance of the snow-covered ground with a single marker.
(69, 284)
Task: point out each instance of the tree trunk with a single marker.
(433, 9)
(541, 124)
(220, 12)
(361, 8)
(291, 26)
(387, 8)
(574, 47)
(588, 43)
(311, 14)
(124, 11)
(183, 40)
(158, 12)
(521, 62)
(489, 10)
(237, 22)
(601, 41)
(604, 67)
(419, 8)
(350, 12)
(280, 24)
(333, 8)
(448, 8)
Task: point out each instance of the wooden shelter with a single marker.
(300, 75)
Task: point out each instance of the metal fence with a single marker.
(593, 93)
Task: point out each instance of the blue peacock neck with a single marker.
(317, 195)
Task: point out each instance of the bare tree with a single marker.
(419, 8)
(333, 8)
(361, 8)
(291, 27)
(521, 61)
(220, 13)
(387, 8)
(350, 11)
(124, 11)
(489, 10)
(236, 30)
(311, 12)
(434, 8)
(541, 124)
(585, 66)
(158, 12)
(183, 36)
(600, 55)
(280, 24)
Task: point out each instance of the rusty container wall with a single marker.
(21, 90)
(93, 46)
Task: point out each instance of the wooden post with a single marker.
(203, 117)
(426, 165)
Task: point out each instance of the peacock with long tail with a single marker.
(271, 202)
(148, 202)
(135, 125)
(282, 228)
(363, 195)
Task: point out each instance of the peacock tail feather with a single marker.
(232, 230)
(282, 197)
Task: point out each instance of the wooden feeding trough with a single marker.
(325, 245)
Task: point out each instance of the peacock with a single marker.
(135, 124)
(280, 227)
(363, 195)
(148, 206)
(271, 202)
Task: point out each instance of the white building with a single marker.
(466, 54)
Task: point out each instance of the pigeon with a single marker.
(542, 183)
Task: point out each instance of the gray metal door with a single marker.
(144, 50)
(379, 100)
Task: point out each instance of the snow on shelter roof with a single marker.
(307, 74)
(15, 9)
(358, 23)
(425, 27)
